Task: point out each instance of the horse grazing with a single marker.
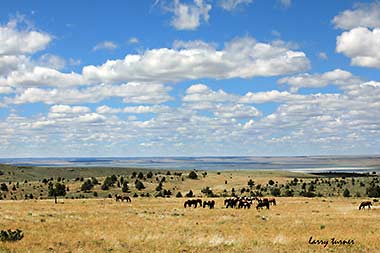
(231, 202)
(122, 198)
(244, 204)
(272, 201)
(191, 202)
(263, 203)
(210, 204)
(364, 204)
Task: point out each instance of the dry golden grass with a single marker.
(163, 225)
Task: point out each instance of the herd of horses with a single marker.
(234, 202)
(196, 202)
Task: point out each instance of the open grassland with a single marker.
(87, 220)
(163, 225)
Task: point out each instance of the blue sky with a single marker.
(189, 78)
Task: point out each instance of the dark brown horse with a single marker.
(122, 198)
(272, 201)
(191, 202)
(231, 202)
(263, 203)
(364, 204)
(244, 204)
(210, 203)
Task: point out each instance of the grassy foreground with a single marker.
(87, 220)
(163, 225)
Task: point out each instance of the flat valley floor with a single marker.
(164, 225)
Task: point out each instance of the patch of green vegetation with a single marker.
(37, 183)
(11, 236)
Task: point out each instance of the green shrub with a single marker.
(87, 185)
(114, 179)
(288, 193)
(208, 192)
(159, 187)
(139, 185)
(193, 175)
(140, 175)
(57, 190)
(307, 194)
(311, 188)
(9, 235)
(373, 191)
(3, 187)
(125, 187)
(159, 194)
(108, 182)
(190, 194)
(346, 193)
(105, 187)
(275, 192)
(94, 181)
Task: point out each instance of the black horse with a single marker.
(263, 203)
(244, 204)
(231, 202)
(122, 198)
(210, 204)
(364, 204)
(191, 202)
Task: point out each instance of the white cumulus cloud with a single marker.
(363, 14)
(14, 41)
(361, 45)
(130, 93)
(337, 77)
(242, 57)
(190, 16)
